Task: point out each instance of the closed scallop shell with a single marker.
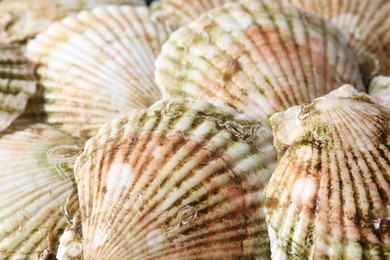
(380, 90)
(366, 26)
(258, 57)
(329, 197)
(181, 180)
(23, 19)
(17, 82)
(38, 191)
(97, 65)
(181, 12)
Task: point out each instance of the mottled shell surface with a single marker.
(329, 197)
(258, 57)
(17, 82)
(380, 90)
(97, 65)
(181, 12)
(182, 180)
(70, 247)
(24, 19)
(365, 23)
(38, 191)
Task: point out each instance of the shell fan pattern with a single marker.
(38, 190)
(329, 196)
(97, 65)
(257, 57)
(183, 180)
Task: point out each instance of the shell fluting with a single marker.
(183, 180)
(24, 19)
(38, 190)
(181, 12)
(17, 82)
(366, 26)
(258, 57)
(329, 196)
(97, 65)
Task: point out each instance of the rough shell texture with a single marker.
(38, 191)
(329, 197)
(380, 90)
(366, 25)
(182, 180)
(97, 65)
(258, 57)
(181, 12)
(70, 247)
(23, 19)
(17, 82)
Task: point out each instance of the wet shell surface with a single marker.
(181, 12)
(97, 65)
(17, 82)
(366, 25)
(24, 19)
(329, 197)
(258, 57)
(380, 90)
(38, 192)
(182, 180)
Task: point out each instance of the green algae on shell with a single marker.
(38, 190)
(183, 179)
(329, 197)
(96, 66)
(258, 57)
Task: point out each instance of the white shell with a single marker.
(329, 197)
(97, 65)
(258, 57)
(17, 82)
(24, 19)
(181, 12)
(380, 90)
(38, 191)
(182, 180)
(70, 247)
(366, 25)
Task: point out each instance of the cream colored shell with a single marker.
(258, 57)
(181, 180)
(329, 197)
(96, 66)
(38, 192)
(380, 90)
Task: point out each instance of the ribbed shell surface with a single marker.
(329, 197)
(365, 23)
(181, 12)
(97, 65)
(38, 191)
(380, 90)
(258, 57)
(24, 19)
(182, 180)
(17, 82)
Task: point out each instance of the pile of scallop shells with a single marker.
(194, 129)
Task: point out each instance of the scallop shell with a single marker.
(258, 57)
(38, 191)
(365, 24)
(24, 19)
(17, 82)
(181, 12)
(329, 197)
(182, 180)
(70, 247)
(97, 65)
(380, 90)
